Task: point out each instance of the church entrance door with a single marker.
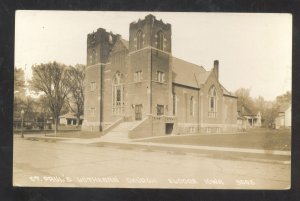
(138, 112)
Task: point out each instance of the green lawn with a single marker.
(255, 139)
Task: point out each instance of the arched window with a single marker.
(160, 40)
(212, 102)
(139, 40)
(192, 105)
(117, 94)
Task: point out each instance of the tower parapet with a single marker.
(150, 32)
(99, 45)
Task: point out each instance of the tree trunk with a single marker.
(77, 122)
(56, 125)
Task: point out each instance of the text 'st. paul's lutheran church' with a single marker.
(137, 88)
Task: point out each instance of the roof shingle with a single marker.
(125, 43)
(188, 74)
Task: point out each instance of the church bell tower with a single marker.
(99, 45)
(150, 53)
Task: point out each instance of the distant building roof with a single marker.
(241, 117)
(244, 111)
(284, 107)
(188, 74)
(70, 116)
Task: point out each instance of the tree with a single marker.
(51, 79)
(19, 82)
(30, 108)
(268, 109)
(244, 99)
(284, 98)
(76, 86)
(19, 91)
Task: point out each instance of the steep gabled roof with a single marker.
(225, 91)
(188, 74)
(125, 43)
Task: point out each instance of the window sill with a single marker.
(159, 82)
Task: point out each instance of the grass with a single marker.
(254, 139)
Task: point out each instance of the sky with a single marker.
(254, 50)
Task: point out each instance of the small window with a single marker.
(160, 76)
(93, 86)
(138, 76)
(160, 110)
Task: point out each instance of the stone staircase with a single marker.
(120, 132)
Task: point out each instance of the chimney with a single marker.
(216, 68)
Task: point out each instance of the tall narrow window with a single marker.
(93, 56)
(174, 104)
(117, 95)
(160, 110)
(139, 40)
(212, 102)
(160, 40)
(192, 105)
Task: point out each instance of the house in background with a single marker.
(69, 119)
(248, 119)
(284, 119)
(242, 123)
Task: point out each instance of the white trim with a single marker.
(91, 123)
(204, 125)
(97, 64)
(149, 47)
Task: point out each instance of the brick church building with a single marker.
(137, 88)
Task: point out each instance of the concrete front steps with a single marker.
(121, 131)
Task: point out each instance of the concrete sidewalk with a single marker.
(127, 143)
